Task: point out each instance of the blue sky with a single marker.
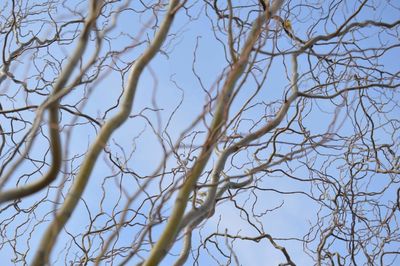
(176, 86)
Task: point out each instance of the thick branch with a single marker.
(72, 199)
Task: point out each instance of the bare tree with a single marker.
(148, 132)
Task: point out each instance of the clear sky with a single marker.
(173, 90)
